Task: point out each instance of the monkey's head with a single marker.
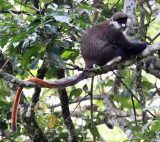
(119, 21)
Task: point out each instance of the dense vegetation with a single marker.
(42, 38)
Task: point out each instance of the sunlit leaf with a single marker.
(156, 126)
(44, 108)
(70, 54)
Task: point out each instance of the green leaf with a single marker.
(126, 102)
(136, 138)
(156, 126)
(5, 105)
(70, 54)
(26, 58)
(25, 43)
(149, 132)
(148, 124)
(47, 1)
(19, 37)
(125, 93)
(34, 64)
(4, 40)
(5, 28)
(63, 136)
(57, 13)
(109, 83)
(147, 85)
(82, 24)
(140, 135)
(96, 131)
(56, 60)
(50, 28)
(157, 133)
(76, 92)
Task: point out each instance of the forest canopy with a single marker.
(116, 102)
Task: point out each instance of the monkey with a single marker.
(105, 41)
(100, 44)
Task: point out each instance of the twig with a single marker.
(30, 72)
(114, 6)
(91, 99)
(134, 109)
(73, 65)
(71, 112)
(132, 93)
(157, 89)
(5, 63)
(16, 12)
(154, 38)
(24, 5)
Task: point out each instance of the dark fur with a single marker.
(103, 42)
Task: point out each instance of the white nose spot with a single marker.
(123, 25)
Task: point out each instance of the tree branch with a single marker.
(16, 12)
(92, 72)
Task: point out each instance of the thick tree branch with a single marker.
(93, 72)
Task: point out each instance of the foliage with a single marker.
(29, 38)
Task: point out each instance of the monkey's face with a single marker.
(119, 21)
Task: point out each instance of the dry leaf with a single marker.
(51, 122)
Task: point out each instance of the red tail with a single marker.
(60, 84)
